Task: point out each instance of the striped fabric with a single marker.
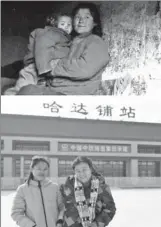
(86, 210)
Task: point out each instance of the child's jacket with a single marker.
(46, 44)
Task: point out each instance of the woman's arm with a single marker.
(94, 58)
(108, 208)
(18, 210)
(61, 206)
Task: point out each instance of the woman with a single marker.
(38, 201)
(80, 72)
(87, 198)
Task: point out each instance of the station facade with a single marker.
(127, 154)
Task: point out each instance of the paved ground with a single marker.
(135, 208)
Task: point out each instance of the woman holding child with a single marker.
(79, 73)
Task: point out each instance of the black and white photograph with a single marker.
(80, 113)
(81, 48)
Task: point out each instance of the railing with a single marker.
(134, 182)
(8, 183)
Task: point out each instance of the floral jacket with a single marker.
(105, 206)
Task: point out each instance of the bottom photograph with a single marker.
(61, 172)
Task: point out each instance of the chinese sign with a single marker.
(93, 147)
(100, 110)
(134, 109)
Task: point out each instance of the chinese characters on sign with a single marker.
(130, 113)
(100, 110)
(54, 107)
(79, 109)
(104, 110)
(93, 147)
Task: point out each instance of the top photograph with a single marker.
(109, 48)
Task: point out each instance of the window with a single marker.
(30, 145)
(2, 165)
(27, 163)
(65, 168)
(111, 168)
(2, 144)
(17, 167)
(107, 168)
(149, 168)
(93, 147)
(149, 149)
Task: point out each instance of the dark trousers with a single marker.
(38, 90)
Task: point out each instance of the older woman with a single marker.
(81, 71)
(87, 198)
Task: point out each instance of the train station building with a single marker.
(128, 154)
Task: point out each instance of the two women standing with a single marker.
(83, 201)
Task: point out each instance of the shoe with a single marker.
(11, 91)
(41, 81)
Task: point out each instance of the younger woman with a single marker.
(38, 202)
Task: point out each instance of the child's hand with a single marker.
(59, 225)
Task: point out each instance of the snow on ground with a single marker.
(135, 208)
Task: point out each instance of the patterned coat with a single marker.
(105, 206)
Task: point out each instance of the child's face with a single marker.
(65, 23)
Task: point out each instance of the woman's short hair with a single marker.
(97, 30)
(35, 160)
(82, 159)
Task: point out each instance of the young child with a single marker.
(45, 44)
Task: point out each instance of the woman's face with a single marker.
(83, 172)
(83, 21)
(40, 171)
